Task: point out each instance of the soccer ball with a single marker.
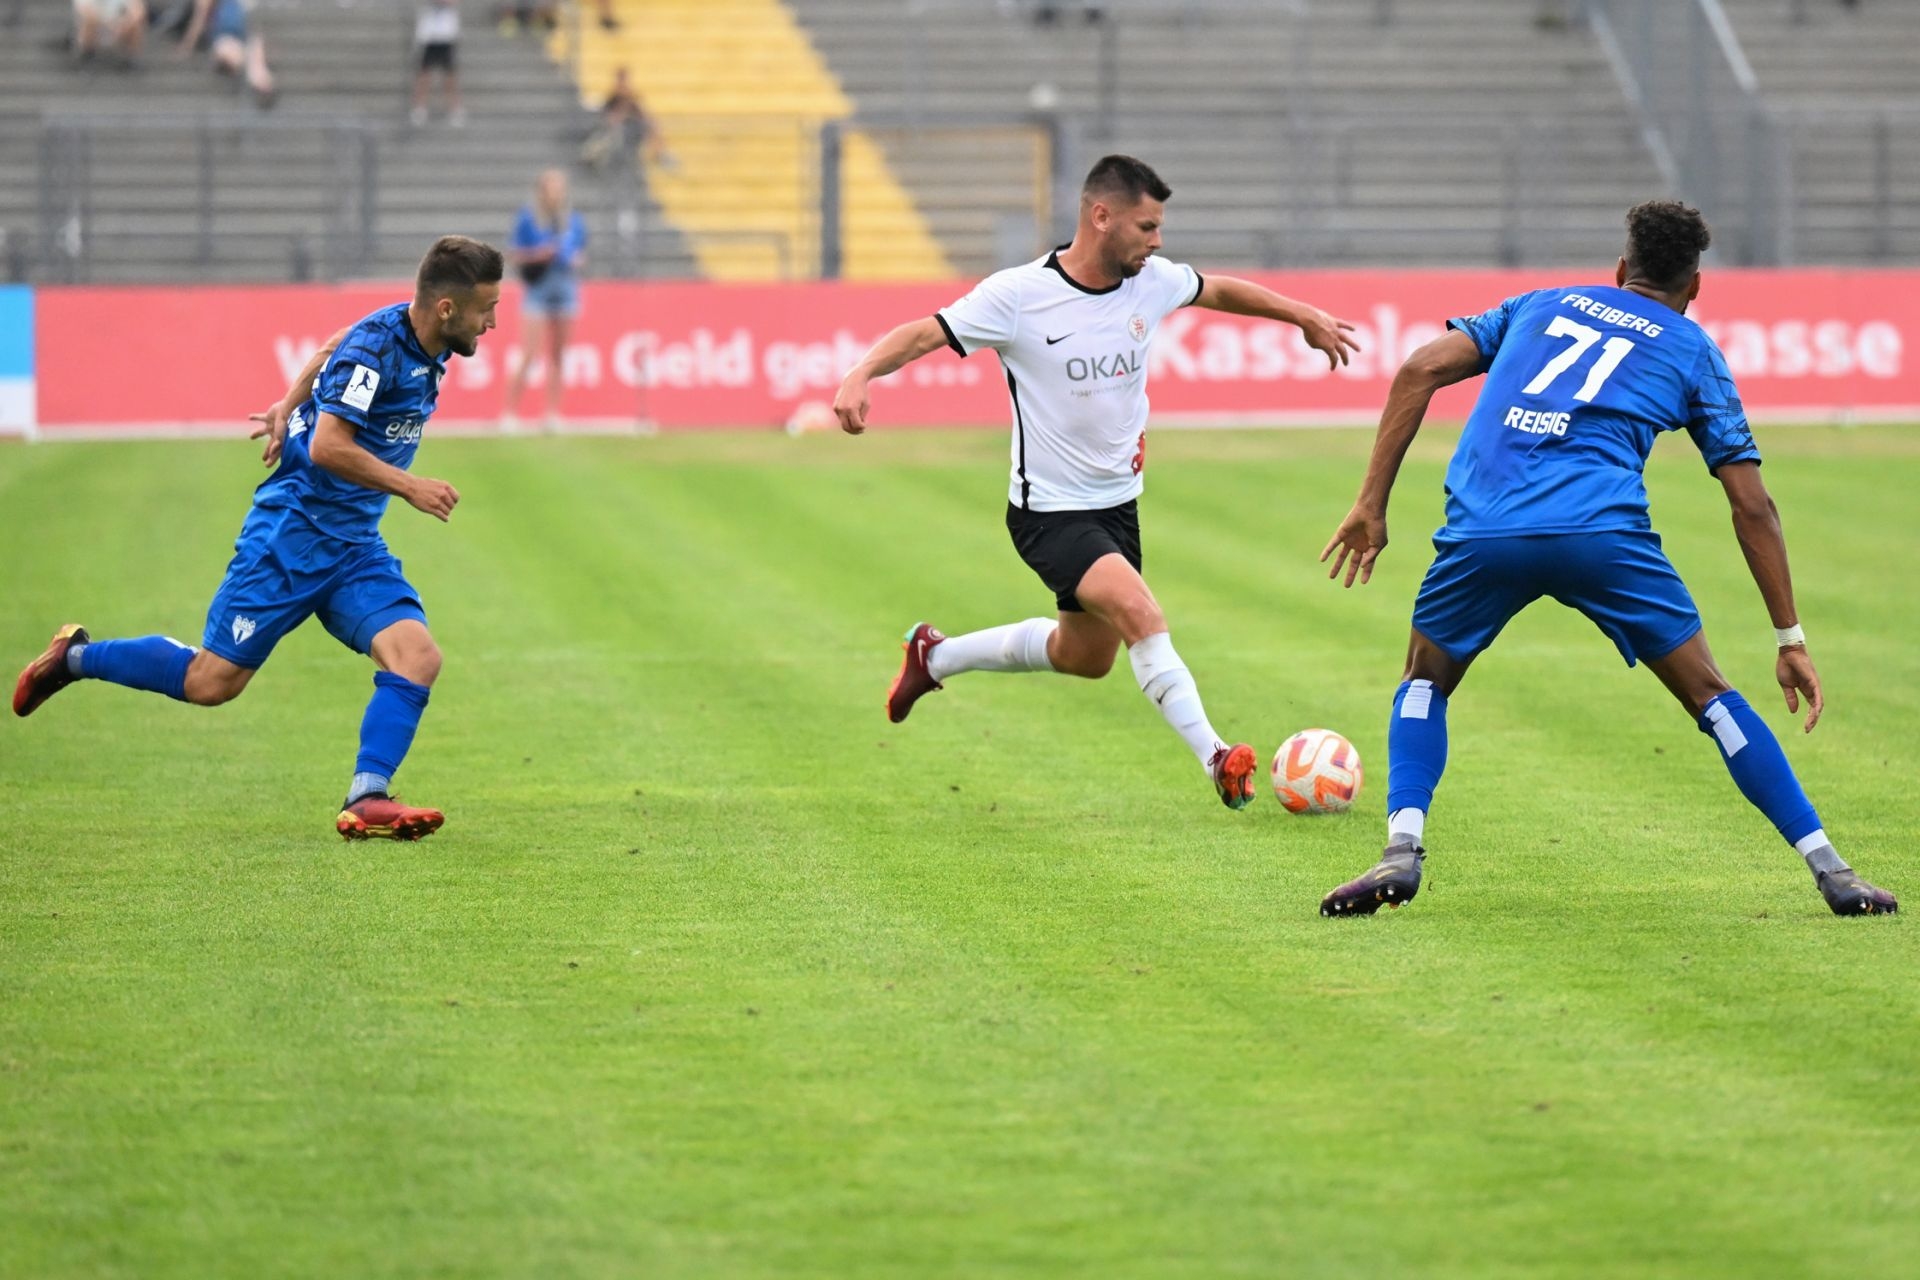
(1316, 771)
(812, 415)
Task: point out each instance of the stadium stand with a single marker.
(1295, 133)
(738, 90)
(167, 174)
(1846, 82)
(1289, 139)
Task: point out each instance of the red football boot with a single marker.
(914, 678)
(385, 818)
(1233, 769)
(47, 674)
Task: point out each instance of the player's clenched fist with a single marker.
(435, 497)
(851, 405)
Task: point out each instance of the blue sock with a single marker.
(157, 664)
(1758, 765)
(1416, 746)
(386, 731)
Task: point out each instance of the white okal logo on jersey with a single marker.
(242, 628)
(361, 386)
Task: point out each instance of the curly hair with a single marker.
(1664, 241)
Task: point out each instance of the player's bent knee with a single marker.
(212, 680)
(1697, 696)
(1088, 666)
(407, 649)
(419, 663)
(1135, 620)
(1428, 661)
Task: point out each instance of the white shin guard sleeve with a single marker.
(1169, 685)
(1018, 646)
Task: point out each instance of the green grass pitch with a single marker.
(714, 973)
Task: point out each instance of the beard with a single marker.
(461, 343)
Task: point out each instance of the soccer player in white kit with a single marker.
(1072, 331)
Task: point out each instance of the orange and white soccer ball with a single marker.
(1316, 771)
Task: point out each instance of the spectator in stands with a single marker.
(548, 248)
(528, 16)
(623, 130)
(436, 44)
(1047, 12)
(122, 24)
(547, 16)
(236, 49)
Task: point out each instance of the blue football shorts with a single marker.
(284, 571)
(1620, 579)
(556, 295)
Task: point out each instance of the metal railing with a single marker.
(114, 181)
(1336, 190)
(1100, 26)
(1855, 180)
(1705, 123)
(1028, 185)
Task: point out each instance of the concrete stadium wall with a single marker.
(1812, 345)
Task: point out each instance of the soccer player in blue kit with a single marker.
(1545, 497)
(344, 437)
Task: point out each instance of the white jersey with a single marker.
(438, 22)
(1076, 362)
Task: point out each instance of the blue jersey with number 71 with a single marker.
(1580, 382)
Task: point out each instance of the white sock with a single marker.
(1820, 854)
(1407, 822)
(1018, 646)
(1166, 680)
(1808, 843)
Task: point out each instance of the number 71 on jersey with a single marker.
(1612, 352)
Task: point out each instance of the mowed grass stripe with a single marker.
(1071, 1017)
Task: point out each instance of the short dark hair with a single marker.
(1664, 241)
(456, 264)
(1123, 175)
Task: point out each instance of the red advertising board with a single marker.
(1803, 344)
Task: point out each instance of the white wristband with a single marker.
(1784, 636)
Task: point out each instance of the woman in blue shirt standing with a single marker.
(548, 247)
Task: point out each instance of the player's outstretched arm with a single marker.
(895, 351)
(1245, 298)
(1362, 536)
(273, 422)
(333, 449)
(1756, 522)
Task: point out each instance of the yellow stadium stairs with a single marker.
(738, 93)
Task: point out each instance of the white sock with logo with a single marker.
(1167, 682)
(1018, 646)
